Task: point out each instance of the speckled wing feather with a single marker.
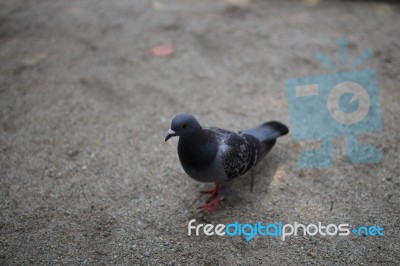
(242, 156)
(241, 153)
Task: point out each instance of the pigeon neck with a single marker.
(197, 149)
(197, 138)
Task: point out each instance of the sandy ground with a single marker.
(86, 177)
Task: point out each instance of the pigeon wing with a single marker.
(239, 153)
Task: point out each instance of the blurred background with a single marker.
(87, 92)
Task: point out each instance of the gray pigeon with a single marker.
(218, 155)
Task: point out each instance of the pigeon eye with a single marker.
(184, 125)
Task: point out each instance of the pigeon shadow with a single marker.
(247, 190)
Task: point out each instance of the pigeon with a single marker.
(215, 155)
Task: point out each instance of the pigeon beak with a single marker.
(170, 134)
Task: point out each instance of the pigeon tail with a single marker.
(268, 131)
(267, 134)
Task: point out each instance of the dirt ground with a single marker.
(86, 177)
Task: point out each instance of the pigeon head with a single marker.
(183, 125)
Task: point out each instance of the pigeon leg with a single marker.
(212, 205)
(215, 191)
(215, 197)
